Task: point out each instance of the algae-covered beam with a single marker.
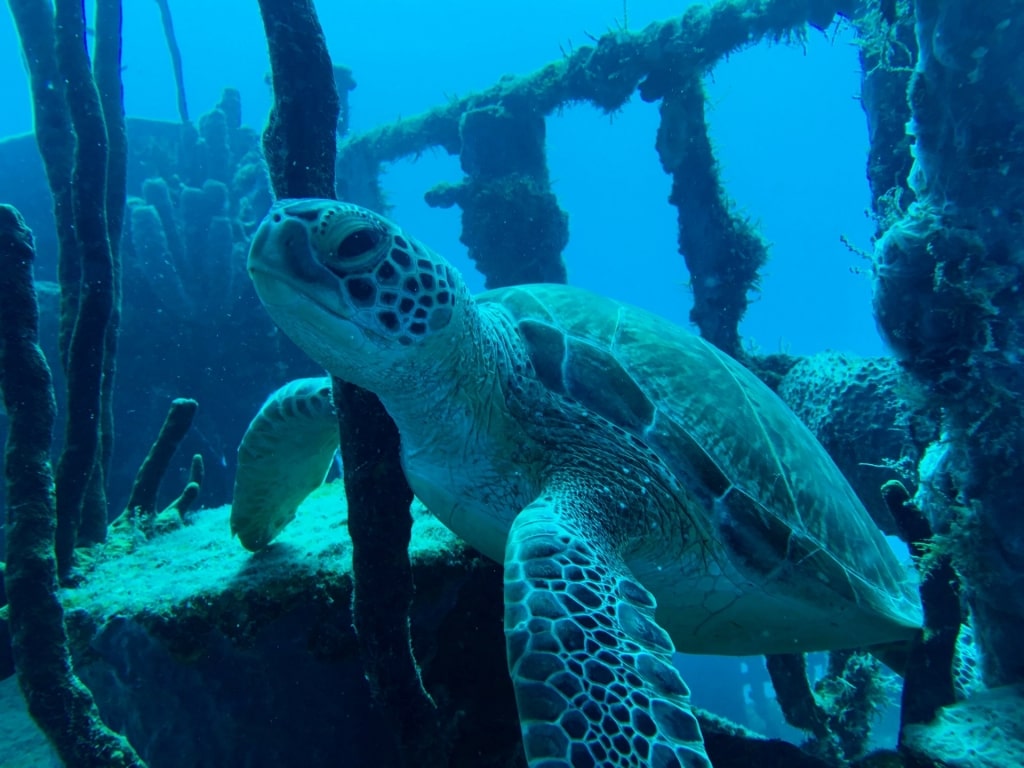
(299, 144)
(723, 251)
(793, 691)
(928, 678)
(666, 62)
(839, 709)
(57, 700)
(511, 221)
(947, 296)
(607, 73)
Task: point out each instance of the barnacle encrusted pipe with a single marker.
(300, 138)
(57, 700)
(299, 144)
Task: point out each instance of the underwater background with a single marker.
(789, 134)
(787, 127)
(785, 119)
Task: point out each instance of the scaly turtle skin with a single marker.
(644, 491)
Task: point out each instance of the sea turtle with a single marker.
(645, 492)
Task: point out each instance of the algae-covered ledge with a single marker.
(204, 654)
(201, 572)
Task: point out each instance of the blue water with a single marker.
(789, 132)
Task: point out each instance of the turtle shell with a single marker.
(772, 495)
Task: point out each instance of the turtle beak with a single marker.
(281, 263)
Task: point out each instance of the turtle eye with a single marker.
(358, 243)
(358, 251)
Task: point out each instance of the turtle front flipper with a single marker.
(285, 455)
(593, 673)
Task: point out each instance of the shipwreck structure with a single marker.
(946, 412)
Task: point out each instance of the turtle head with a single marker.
(357, 294)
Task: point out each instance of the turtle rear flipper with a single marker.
(592, 672)
(285, 455)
